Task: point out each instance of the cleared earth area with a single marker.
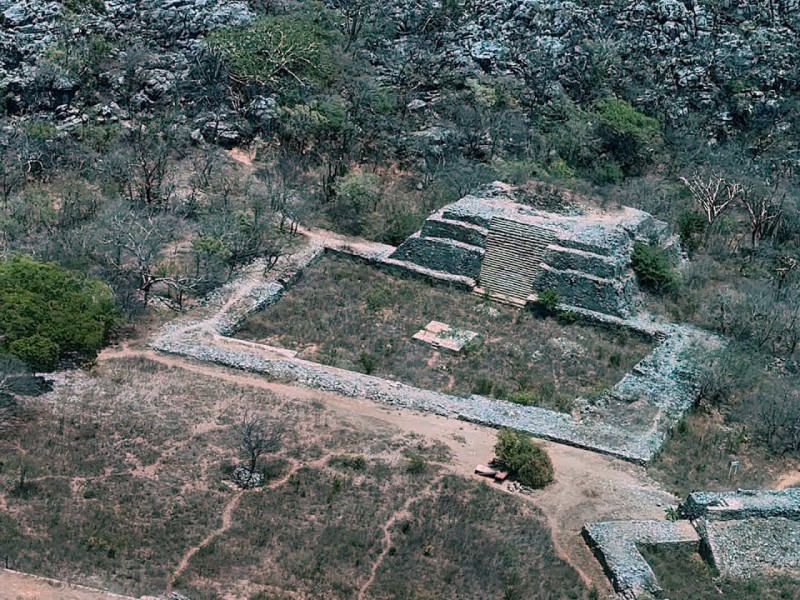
(360, 318)
(126, 488)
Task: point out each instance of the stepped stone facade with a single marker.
(513, 251)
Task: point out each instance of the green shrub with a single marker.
(628, 134)
(379, 298)
(548, 300)
(39, 352)
(48, 313)
(524, 458)
(356, 463)
(543, 395)
(483, 387)
(276, 51)
(608, 172)
(653, 268)
(416, 465)
(691, 226)
(368, 362)
(79, 6)
(561, 169)
(567, 317)
(354, 197)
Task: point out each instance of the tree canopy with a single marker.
(275, 49)
(48, 313)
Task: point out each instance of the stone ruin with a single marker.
(740, 533)
(511, 250)
(584, 253)
(447, 339)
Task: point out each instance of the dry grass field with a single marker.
(360, 318)
(126, 489)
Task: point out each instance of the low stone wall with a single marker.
(610, 296)
(457, 230)
(742, 534)
(615, 544)
(539, 422)
(742, 504)
(203, 338)
(442, 255)
(561, 258)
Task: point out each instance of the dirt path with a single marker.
(588, 486)
(21, 586)
(403, 513)
(230, 508)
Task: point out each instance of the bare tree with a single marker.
(778, 422)
(355, 14)
(254, 439)
(148, 179)
(714, 193)
(765, 209)
(130, 245)
(12, 168)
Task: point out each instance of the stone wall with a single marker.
(605, 267)
(614, 544)
(742, 504)
(606, 429)
(459, 231)
(742, 534)
(610, 296)
(442, 254)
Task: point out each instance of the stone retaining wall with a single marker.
(742, 504)
(442, 254)
(742, 534)
(615, 545)
(457, 230)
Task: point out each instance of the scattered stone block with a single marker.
(443, 337)
(485, 471)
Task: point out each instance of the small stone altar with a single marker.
(443, 337)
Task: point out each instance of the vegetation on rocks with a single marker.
(653, 268)
(276, 53)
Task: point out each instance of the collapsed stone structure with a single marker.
(740, 533)
(512, 251)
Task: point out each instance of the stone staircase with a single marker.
(514, 254)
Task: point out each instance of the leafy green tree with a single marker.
(48, 313)
(629, 135)
(276, 51)
(653, 268)
(524, 458)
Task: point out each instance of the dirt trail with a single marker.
(21, 586)
(588, 486)
(403, 513)
(230, 508)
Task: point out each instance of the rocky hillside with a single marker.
(732, 61)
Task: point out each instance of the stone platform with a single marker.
(513, 250)
(741, 533)
(443, 337)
